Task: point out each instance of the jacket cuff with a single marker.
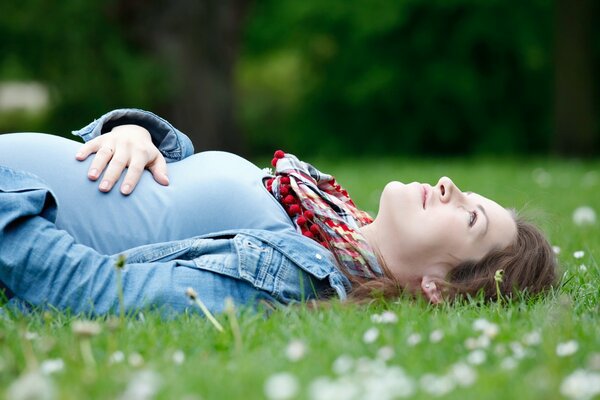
(173, 144)
(32, 196)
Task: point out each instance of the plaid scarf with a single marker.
(322, 210)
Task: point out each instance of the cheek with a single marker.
(439, 232)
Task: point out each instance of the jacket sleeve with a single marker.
(172, 143)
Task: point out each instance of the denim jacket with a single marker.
(43, 266)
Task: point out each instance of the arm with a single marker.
(43, 266)
(135, 139)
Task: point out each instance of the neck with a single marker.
(385, 248)
(408, 270)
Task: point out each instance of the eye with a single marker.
(472, 218)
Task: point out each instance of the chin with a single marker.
(393, 198)
(393, 187)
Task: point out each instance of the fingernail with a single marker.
(104, 185)
(93, 173)
(126, 189)
(79, 155)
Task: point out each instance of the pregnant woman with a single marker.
(227, 228)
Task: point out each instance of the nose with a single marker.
(447, 189)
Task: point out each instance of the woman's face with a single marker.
(442, 225)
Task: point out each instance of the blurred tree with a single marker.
(198, 42)
(378, 76)
(575, 129)
(173, 57)
(75, 49)
(328, 76)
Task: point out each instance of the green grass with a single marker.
(214, 368)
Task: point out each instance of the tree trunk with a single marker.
(574, 104)
(198, 40)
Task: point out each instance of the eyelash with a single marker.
(473, 218)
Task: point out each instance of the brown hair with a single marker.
(529, 267)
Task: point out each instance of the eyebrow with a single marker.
(487, 220)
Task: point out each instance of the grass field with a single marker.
(548, 349)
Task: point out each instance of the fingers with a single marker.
(101, 159)
(104, 148)
(114, 169)
(158, 167)
(134, 172)
(88, 148)
(159, 170)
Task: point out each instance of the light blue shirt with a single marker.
(208, 192)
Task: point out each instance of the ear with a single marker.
(430, 290)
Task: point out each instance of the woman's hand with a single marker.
(125, 146)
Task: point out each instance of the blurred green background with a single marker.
(314, 77)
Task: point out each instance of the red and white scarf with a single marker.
(322, 210)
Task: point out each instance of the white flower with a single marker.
(532, 338)
(500, 349)
(31, 335)
(135, 360)
(178, 357)
(142, 386)
(518, 350)
(281, 386)
(584, 215)
(326, 389)
(542, 177)
(476, 357)
(567, 348)
(508, 363)
(385, 353)
(295, 350)
(371, 335)
(32, 385)
(579, 254)
(556, 250)
(86, 328)
(581, 384)
(413, 339)
(489, 329)
(582, 268)
(387, 317)
(363, 379)
(343, 364)
(463, 374)
(52, 365)
(436, 336)
(386, 384)
(116, 357)
(476, 343)
(437, 385)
